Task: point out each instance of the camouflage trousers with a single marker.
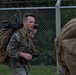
(18, 69)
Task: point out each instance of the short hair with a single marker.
(28, 14)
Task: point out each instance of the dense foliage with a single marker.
(27, 3)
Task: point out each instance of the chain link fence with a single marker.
(44, 39)
(67, 14)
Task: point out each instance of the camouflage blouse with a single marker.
(14, 48)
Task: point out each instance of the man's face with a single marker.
(29, 23)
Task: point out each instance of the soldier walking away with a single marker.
(65, 44)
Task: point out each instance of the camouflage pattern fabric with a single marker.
(16, 65)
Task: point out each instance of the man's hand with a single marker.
(26, 56)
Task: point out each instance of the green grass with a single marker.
(43, 70)
(35, 70)
(4, 70)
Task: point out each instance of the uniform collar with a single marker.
(26, 32)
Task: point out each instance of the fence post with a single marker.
(58, 25)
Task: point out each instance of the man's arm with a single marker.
(12, 49)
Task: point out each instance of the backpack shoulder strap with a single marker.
(32, 44)
(23, 36)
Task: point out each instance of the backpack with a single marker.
(65, 45)
(4, 39)
(5, 35)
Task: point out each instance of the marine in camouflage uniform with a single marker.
(18, 64)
